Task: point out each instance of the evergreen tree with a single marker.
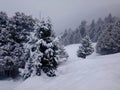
(5, 46)
(20, 27)
(86, 48)
(14, 33)
(48, 48)
(67, 37)
(4, 34)
(62, 54)
(98, 29)
(108, 42)
(29, 69)
(83, 28)
(91, 30)
(43, 52)
(109, 19)
(74, 37)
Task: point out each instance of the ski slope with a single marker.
(93, 73)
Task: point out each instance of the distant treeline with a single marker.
(93, 30)
(105, 32)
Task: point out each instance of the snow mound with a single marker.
(94, 73)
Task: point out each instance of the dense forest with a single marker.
(28, 47)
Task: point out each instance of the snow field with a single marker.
(94, 73)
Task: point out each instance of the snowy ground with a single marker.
(8, 84)
(94, 73)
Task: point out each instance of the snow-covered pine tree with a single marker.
(62, 54)
(109, 19)
(20, 27)
(43, 51)
(28, 70)
(109, 41)
(14, 33)
(67, 37)
(72, 37)
(48, 48)
(98, 29)
(5, 43)
(86, 48)
(76, 36)
(4, 34)
(33, 56)
(82, 29)
(91, 30)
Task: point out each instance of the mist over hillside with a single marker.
(59, 45)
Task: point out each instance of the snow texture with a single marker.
(8, 84)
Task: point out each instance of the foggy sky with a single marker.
(63, 13)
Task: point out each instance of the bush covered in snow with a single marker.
(86, 48)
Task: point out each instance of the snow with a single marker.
(96, 72)
(8, 84)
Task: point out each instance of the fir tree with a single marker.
(86, 48)
(91, 30)
(62, 54)
(14, 33)
(42, 51)
(109, 41)
(49, 60)
(20, 27)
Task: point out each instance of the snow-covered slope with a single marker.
(94, 73)
(9, 84)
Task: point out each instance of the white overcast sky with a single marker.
(63, 13)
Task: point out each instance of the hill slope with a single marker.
(94, 73)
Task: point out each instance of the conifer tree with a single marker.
(42, 50)
(109, 41)
(86, 48)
